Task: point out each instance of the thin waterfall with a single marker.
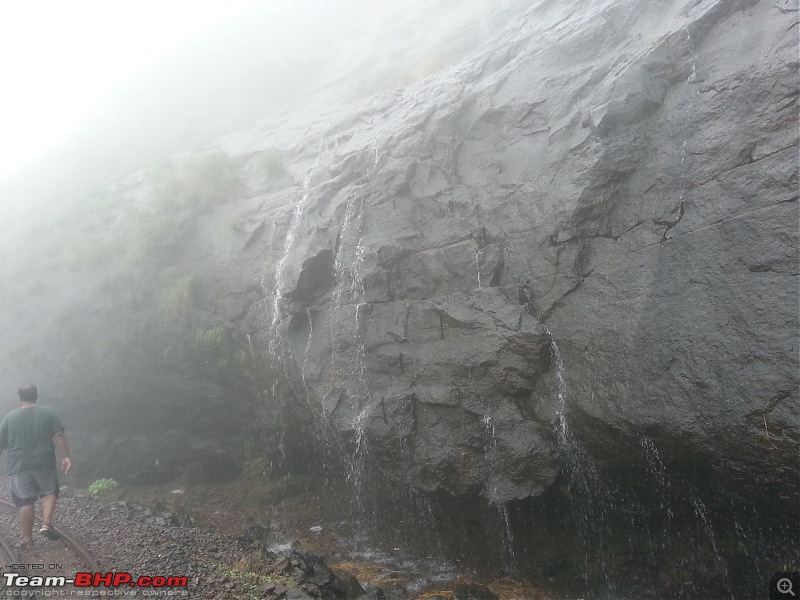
(498, 507)
(704, 517)
(348, 267)
(291, 234)
(478, 267)
(593, 502)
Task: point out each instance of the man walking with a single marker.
(31, 434)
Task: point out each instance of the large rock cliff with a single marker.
(579, 240)
(614, 182)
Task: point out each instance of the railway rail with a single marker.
(44, 557)
(9, 556)
(80, 550)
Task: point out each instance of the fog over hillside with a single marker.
(518, 278)
(258, 71)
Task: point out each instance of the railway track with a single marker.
(9, 556)
(44, 558)
(83, 553)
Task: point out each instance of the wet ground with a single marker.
(238, 539)
(242, 539)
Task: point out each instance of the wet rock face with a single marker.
(614, 180)
(440, 386)
(621, 173)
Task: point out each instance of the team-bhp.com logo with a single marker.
(96, 580)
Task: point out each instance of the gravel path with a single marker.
(127, 537)
(152, 537)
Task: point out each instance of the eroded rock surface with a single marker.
(622, 175)
(612, 182)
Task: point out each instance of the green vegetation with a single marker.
(212, 340)
(104, 225)
(220, 348)
(199, 182)
(127, 247)
(102, 486)
(258, 467)
(790, 566)
(178, 296)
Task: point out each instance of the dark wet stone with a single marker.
(347, 587)
(281, 564)
(472, 591)
(374, 593)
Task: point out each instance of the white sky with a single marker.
(60, 58)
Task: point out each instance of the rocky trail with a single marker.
(212, 537)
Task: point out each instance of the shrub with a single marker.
(102, 486)
(198, 182)
(178, 297)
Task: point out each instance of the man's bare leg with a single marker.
(48, 508)
(26, 522)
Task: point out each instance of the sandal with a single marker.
(48, 532)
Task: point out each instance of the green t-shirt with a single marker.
(28, 433)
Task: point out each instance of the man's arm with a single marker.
(61, 441)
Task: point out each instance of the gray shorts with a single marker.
(27, 486)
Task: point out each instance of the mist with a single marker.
(439, 289)
(257, 70)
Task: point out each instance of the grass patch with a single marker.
(371, 574)
(178, 296)
(247, 580)
(505, 589)
(201, 181)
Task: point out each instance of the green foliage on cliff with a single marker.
(221, 349)
(148, 276)
(177, 299)
(141, 228)
(127, 247)
(199, 182)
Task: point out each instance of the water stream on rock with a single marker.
(693, 74)
(592, 498)
(658, 472)
(704, 517)
(358, 460)
(291, 234)
(499, 508)
(350, 292)
(478, 267)
(288, 371)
